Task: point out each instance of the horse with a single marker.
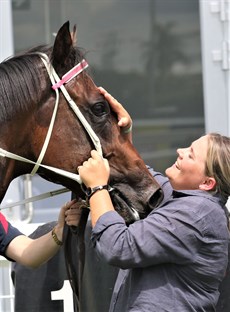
(26, 106)
(30, 101)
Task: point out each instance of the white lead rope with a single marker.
(67, 174)
(70, 175)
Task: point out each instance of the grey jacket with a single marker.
(173, 260)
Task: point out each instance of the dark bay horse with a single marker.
(26, 106)
(28, 99)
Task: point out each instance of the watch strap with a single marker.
(93, 190)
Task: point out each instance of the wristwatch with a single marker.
(90, 191)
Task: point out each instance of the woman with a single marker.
(175, 258)
(33, 252)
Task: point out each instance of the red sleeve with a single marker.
(7, 234)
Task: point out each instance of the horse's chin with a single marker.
(124, 207)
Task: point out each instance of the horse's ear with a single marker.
(74, 36)
(62, 45)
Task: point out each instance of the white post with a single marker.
(215, 35)
(6, 29)
(214, 21)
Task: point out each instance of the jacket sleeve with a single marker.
(7, 234)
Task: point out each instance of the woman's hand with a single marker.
(70, 214)
(124, 119)
(95, 171)
(73, 210)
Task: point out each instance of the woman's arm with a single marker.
(34, 252)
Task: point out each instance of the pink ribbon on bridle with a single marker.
(76, 70)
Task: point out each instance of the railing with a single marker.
(6, 286)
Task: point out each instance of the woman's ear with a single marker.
(208, 184)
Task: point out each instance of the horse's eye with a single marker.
(100, 109)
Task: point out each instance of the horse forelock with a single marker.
(21, 79)
(19, 85)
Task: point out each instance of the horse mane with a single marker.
(21, 80)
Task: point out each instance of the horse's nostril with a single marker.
(155, 199)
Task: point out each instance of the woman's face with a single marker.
(188, 172)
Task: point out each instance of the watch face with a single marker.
(90, 191)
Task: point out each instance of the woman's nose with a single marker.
(180, 152)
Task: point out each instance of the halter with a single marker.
(56, 84)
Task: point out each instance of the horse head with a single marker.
(25, 129)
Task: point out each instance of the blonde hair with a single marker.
(218, 163)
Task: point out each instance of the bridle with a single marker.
(57, 84)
